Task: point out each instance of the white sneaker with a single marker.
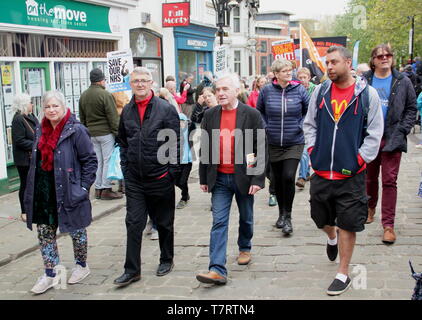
(78, 274)
(154, 234)
(44, 283)
(148, 228)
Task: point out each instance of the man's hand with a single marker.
(204, 187)
(254, 189)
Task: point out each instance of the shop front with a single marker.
(46, 45)
(194, 51)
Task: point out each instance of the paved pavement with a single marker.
(282, 268)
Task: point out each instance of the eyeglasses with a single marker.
(140, 81)
(53, 106)
(383, 56)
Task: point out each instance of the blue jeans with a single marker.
(304, 165)
(222, 195)
(103, 147)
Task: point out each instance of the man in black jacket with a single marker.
(148, 126)
(398, 102)
(232, 163)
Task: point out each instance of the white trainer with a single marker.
(44, 283)
(78, 274)
(154, 234)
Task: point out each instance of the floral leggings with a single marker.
(48, 243)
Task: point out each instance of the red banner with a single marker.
(283, 49)
(176, 14)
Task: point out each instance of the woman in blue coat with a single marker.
(283, 105)
(62, 170)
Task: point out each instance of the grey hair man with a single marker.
(343, 130)
(149, 180)
(229, 175)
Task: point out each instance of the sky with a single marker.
(305, 8)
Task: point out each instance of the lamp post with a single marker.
(223, 8)
(411, 37)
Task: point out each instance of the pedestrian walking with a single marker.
(229, 177)
(62, 170)
(97, 111)
(304, 76)
(398, 101)
(149, 179)
(23, 130)
(283, 106)
(188, 106)
(343, 129)
(259, 83)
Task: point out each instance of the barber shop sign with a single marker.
(176, 14)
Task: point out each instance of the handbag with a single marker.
(114, 171)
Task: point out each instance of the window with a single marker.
(7, 92)
(263, 47)
(236, 20)
(263, 65)
(237, 62)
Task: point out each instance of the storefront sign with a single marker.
(220, 60)
(61, 14)
(176, 14)
(283, 49)
(6, 75)
(119, 64)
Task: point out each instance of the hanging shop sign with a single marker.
(176, 14)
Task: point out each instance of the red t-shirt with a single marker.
(340, 99)
(227, 126)
(142, 106)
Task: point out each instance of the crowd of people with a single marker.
(348, 129)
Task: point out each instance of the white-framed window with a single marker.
(236, 19)
(237, 62)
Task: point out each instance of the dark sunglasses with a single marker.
(383, 56)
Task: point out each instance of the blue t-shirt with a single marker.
(383, 87)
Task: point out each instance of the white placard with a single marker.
(119, 66)
(220, 60)
(75, 71)
(67, 71)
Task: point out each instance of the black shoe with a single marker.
(164, 268)
(332, 251)
(287, 228)
(280, 221)
(337, 287)
(126, 278)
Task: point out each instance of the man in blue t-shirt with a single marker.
(383, 87)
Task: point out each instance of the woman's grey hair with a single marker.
(54, 94)
(21, 103)
(280, 64)
(141, 70)
(234, 77)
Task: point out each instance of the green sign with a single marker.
(61, 14)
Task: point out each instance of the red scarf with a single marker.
(48, 141)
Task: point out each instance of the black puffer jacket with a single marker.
(401, 113)
(23, 129)
(139, 143)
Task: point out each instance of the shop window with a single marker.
(7, 94)
(237, 62)
(264, 65)
(263, 47)
(5, 45)
(187, 65)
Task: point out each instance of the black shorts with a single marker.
(341, 203)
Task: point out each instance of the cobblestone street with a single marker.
(281, 268)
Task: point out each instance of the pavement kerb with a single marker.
(59, 235)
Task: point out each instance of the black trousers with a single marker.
(155, 198)
(182, 181)
(23, 175)
(270, 176)
(285, 172)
